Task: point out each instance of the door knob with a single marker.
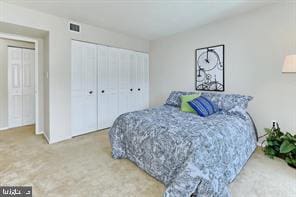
(90, 92)
(103, 91)
(131, 89)
(139, 89)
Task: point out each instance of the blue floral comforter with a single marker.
(190, 154)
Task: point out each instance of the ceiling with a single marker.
(141, 18)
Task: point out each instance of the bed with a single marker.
(191, 155)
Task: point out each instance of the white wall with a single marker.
(58, 125)
(41, 62)
(46, 130)
(255, 46)
(26, 33)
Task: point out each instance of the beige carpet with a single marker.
(83, 167)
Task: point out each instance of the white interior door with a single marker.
(90, 64)
(133, 81)
(145, 85)
(77, 88)
(108, 64)
(121, 86)
(140, 82)
(15, 70)
(83, 88)
(28, 102)
(21, 87)
(124, 83)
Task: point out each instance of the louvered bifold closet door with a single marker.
(108, 64)
(83, 88)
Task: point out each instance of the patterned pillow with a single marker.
(174, 98)
(203, 106)
(228, 101)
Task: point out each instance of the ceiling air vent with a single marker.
(74, 27)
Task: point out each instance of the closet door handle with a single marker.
(90, 92)
(139, 89)
(131, 89)
(103, 91)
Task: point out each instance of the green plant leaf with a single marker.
(268, 150)
(267, 130)
(270, 142)
(287, 147)
(289, 137)
(282, 145)
(291, 161)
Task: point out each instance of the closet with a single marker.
(119, 83)
(21, 87)
(83, 88)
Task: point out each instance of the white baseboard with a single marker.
(259, 144)
(52, 141)
(46, 137)
(59, 140)
(4, 128)
(39, 132)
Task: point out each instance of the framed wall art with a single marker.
(209, 68)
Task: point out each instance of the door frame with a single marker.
(35, 41)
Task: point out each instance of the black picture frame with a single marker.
(222, 89)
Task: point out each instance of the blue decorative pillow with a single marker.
(203, 106)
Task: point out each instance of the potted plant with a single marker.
(282, 145)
